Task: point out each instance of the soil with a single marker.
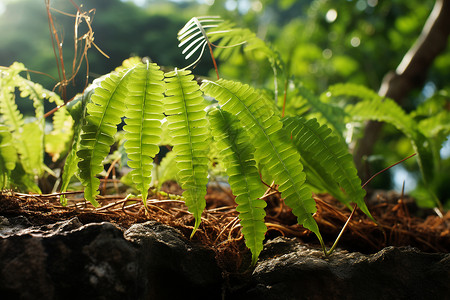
(399, 221)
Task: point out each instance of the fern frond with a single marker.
(327, 154)
(167, 170)
(193, 35)
(144, 111)
(22, 180)
(8, 108)
(387, 110)
(348, 92)
(31, 151)
(8, 156)
(326, 113)
(244, 180)
(77, 109)
(104, 113)
(184, 107)
(36, 92)
(273, 148)
(437, 125)
(223, 36)
(57, 140)
(28, 138)
(433, 117)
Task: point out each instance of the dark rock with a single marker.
(175, 268)
(68, 260)
(289, 270)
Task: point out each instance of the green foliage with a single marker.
(243, 176)
(104, 113)
(27, 136)
(143, 118)
(312, 106)
(8, 156)
(327, 154)
(274, 150)
(300, 154)
(77, 109)
(374, 107)
(184, 107)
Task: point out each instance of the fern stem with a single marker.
(284, 98)
(329, 252)
(214, 60)
(199, 25)
(385, 169)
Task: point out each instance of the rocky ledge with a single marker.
(69, 260)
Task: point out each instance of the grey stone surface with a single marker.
(290, 270)
(69, 260)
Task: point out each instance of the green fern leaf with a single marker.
(326, 113)
(436, 127)
(8, 156)
(386, 110)
(349, 90)
(184, 107)
(433, 117)
(202, 31)
(32, 156)
(8, 108)
(227, 36)
(22, 180)
(237, 154)
(193, 35)
(77, 109)
(273, 147)
(327, 154)
(143, 118)
(27, 138)
(57, 141)
(105, 112)
(167, 170)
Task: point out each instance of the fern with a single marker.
(386, 110)
(8, 156)
(77, 109)
(349, 90)
(143, 119)
(195, 37)
(28, 138)
(237, 155)
(8, 108)
(57, 140)
(167, 170)
(227, 37)
(433, 117)
(326, 113)
(200, 32)
(327, 154)
(105, 111)
(184, 107)
(273, 147)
